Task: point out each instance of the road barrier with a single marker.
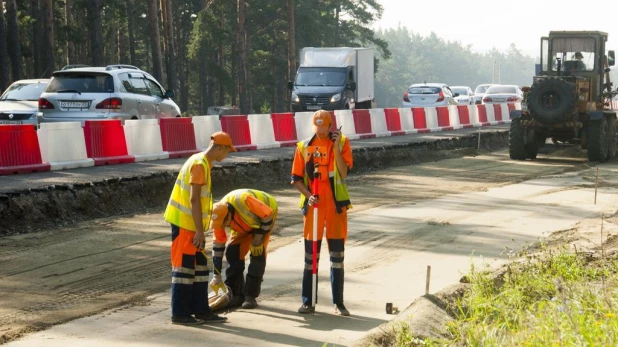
(60, 146)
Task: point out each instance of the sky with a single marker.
(488, 24)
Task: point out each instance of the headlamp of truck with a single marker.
(295, 98)
(335, 98)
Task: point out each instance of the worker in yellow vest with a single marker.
(189, 211)
(250, 214)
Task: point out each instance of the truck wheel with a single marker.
(517, 146)
(538, 140)
(598, 140)
(551, 100)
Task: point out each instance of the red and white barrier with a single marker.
(204, 127)
(63, 145)
(144, 139)
(67, 145)
(19, 150)
(262, 131)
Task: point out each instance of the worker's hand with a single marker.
(313, 199)
(217, 284)
(198, 239)
(257, 246)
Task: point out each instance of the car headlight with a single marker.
(335, 98)
(295, 98)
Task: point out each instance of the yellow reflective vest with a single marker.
(337, 184)
(254, 216)
(178, 211)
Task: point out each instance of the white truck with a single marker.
(333, 78)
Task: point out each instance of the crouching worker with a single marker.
(250, 215)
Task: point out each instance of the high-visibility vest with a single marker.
(178, 211)
(337, 184)
(237, 198)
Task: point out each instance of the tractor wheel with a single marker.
(552, 99)
(598, 140)
(611, 128)
(517, 145)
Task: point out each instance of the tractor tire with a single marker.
(611, 128)
(517, 145)
(598, 140)
(552, 100)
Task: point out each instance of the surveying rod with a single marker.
(314, 269)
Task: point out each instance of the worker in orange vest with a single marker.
(332, 154)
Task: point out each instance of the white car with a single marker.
(19, 104)
(479, 92)
(466, 95)
(428, 95)
(503, 93)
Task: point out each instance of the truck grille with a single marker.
(308, 100)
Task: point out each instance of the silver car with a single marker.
(466, 95)
(19, 102)
(503, 93)
(112, 92)
(479, 92)
(428, 95)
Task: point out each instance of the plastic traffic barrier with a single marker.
(178, 137)
(105, 142)
(19, 150)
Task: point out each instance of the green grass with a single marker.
(554, 298)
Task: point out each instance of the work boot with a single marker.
(341, 310)
(306, 309)
(189, 320)
(249, 302)
(210, 318)
(237, 301)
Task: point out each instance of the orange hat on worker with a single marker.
(223, 139)
(219, 212)
(322, 118)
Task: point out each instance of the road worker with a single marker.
(189, 211)
(250, 214)
(331, 153)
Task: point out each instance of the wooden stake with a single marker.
(478, 146)
(596, 185)
(428, 279)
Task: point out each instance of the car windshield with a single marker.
(24, 92)
(481, 89)
(81, 83)
(460, 91)
(320, 78)
(502, 90)
(424, 90)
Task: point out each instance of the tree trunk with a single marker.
(291, 48)
(183, 28)
(70, 49)
(155, 40)
(172, 76)
(4, 58)
(235, 76)
(337, 11)
(242, 59)
(129, 14)
(221, 57)
(13, 42)
(35, 12)
(47, 46)
(96, 33)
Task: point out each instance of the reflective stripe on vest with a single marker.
(337, 184)
(237, 199)
(178, 211)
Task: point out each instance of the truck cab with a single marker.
(336, 78)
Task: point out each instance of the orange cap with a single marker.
(322, 118)
(219, 212)
(224, 139)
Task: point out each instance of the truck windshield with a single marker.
(310, 77)
(576, 54)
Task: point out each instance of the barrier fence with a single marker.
(58, 146)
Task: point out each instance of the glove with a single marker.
(217, 284)
(256, 251)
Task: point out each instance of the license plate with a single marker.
(74, 104)
(11, 122)
(313, 107)
(499, 99)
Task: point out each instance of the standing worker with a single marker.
(333, 162)
(251, 216)
(189, 211)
